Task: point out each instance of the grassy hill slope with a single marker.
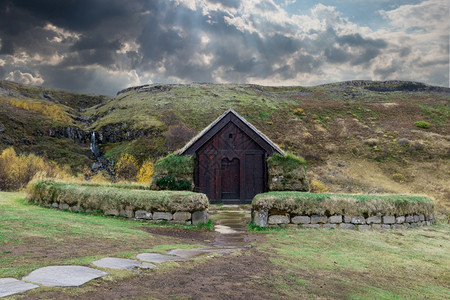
(31, 118)
(357, 136)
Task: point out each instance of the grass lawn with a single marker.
(403, 264)
(294, 263)
(33, 237)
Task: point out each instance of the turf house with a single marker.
(230, 159)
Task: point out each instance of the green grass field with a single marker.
(33, 237)
(302, 263)
(406, 264)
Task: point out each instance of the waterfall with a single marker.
(94, 147)
(101, 163)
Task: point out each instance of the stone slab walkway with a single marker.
(157, 258)
(63, 275)
(122, 264)
(11, 286)
(227, 241)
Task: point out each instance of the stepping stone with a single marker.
(157, 258)
(63, 275)
(188, 253)
(122, 263)
(224, 229)
(11, 286)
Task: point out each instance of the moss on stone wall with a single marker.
(105, 198)
(174, 172)
(342, 204)
(287, 173)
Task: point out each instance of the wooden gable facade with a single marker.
(230, 159)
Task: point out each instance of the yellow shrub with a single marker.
(100, 177)
(317, 186)
(399, 177)
(145, 172)
(17, 170)
(126, 168)
(299, 112)
(55, 112)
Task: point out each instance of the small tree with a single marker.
(127, 168)
(145, 172)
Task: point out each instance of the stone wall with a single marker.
(265, 218)
(178, 217)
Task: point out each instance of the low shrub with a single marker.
(398, 177)
(17, 170)
(299, 112)
(296, 203)
(170, 183)
(317, 186)
(100, 177)
(145, 172)
(422, 124)
(287, 173)
(126, 168)
(174, 172)
(101, 197)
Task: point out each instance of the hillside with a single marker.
(357, 136)
(32, 120)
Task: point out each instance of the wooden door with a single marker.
(254, 175)
(230, 178)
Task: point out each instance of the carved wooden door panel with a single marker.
(230, 179)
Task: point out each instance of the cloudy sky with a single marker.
(102, 46)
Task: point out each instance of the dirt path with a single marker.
(243, 274)
(230, 277)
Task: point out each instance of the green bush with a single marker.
(170, 183)
(104, 198)
(287, 173)
(174, 172)
(287, 162)
(422, 124)
(341, 204)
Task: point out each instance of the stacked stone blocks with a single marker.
(264, 219)
(178, 217)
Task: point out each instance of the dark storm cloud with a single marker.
(105, 45)
(21, 21)
(77, 15)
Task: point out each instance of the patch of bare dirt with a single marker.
(187, 236)
(243, 275)
(51, 251)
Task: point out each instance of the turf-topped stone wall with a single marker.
(174, 172)
(173, 206)
(341, 211)
(287, 173)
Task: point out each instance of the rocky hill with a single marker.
(357, 136)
